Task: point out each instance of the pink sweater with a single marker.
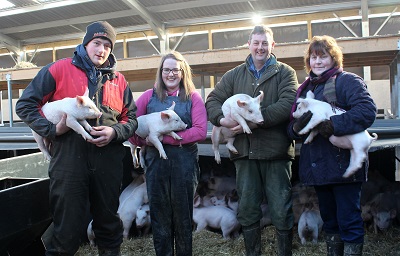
(198, 131)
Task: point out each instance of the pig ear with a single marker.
(173, 106)
(303, 104)
(164, 116)
(196, 201)
(299, 100)
(310, 95)
(241, 103)
(79, 100)
(261, 96)
(86, 93)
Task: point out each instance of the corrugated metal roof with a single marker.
(30, 22)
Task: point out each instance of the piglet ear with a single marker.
(300, 100)
(310, 95)
(79, 100)
(260, 97)
(86, 93)
(173, 106)
(164, 116)
(241, 103)
(196, 201)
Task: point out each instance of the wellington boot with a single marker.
(109, 252)
(334, 245)
(284, 239)
(252, 239)
(351, 249)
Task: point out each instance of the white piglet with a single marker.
(357, 143)
(143, 220)
(128, 208)
(218, 217)
(136, 182)
(154, 126)
(309, 226)
(77, 109)
(242, 108)
(90, 234)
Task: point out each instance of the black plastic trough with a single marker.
(25, 215)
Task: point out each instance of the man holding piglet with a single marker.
(264, 157)
(84, 173)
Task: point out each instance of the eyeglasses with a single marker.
(175, 71)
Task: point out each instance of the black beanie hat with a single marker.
(100, 29)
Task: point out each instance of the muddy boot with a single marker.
(334, 245)
(109, 252)
(284, 239)
(351, 249)
(252, 239)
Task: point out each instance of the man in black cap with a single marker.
(84, 174)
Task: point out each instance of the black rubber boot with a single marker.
(109, 252)
(252, 239)
(284, 245)
(351, 249)
(334, 245)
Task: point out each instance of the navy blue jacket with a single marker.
(322, 163)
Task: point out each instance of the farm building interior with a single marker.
(212, 36)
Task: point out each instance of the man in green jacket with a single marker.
(264, 159)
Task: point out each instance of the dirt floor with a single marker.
(211, 243)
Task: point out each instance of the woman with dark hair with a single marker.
(172, 182)
(321, 163)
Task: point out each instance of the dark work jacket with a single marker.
(68, 78)
(279, 83)
(322, 163)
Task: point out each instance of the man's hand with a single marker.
(325, 128)
(302, 121)
(239, 129)
(62, 127)
(104, 135)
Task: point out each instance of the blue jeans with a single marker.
(171, 184)
(256, 177)
(339, 205)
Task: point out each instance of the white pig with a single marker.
(129, 189)
(358, 143)
(154, 126)
(310, 225)
(127, 210)
(219, 201)
(143, 220)
(383, 210)
(218, 217)
(240, 108)
(77, 109)
(90, 234)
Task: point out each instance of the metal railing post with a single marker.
(8, 77)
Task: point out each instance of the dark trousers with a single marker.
(82, 177)
(272, 177)
(339, 205)
(171, 185)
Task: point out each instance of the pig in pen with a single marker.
(211, 242)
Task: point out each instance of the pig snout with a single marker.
(183, 126)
